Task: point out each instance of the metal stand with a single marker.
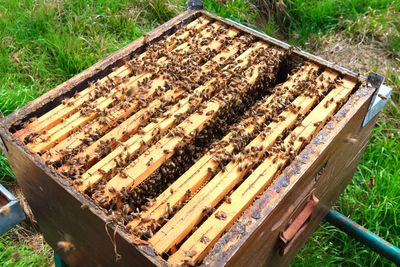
(364, 236)
(11, 213)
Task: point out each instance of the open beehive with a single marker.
(175, 143)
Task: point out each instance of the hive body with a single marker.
(196, 144)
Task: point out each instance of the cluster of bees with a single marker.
(180, 71)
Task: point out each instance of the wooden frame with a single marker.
(255, 234)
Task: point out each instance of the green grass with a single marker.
(43, 43)
(317, 17)
(380, 27)
(14, 251)
(372, 200)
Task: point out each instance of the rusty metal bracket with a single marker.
(379, 98)
(289, 236)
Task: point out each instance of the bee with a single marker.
(228, 199)
(168, 209)
(145, 219)
(66, 246)
(5, 210)
(149, 162)
(149, 202)
(221, 215)
(190, 253)
(383, 97)
(207, 210)
(204, 239)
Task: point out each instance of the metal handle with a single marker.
(297, 226)
(379, 98)
(195, 4)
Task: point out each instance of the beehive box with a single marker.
(201, 143)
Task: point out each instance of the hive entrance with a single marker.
(181, 139)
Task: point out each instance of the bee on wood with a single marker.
(135, 215)
(168, 209)
(149, 202)
(145, 219)
(78, 182)
(204, 239)
(103, 201)
(149, 162)
(228, 199)
(207, 211)
(147, 233)
(221, 215)
(190, 253)
(155, 225)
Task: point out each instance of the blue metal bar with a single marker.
(11, 213)
(364, 236)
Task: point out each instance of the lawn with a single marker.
(45, 42)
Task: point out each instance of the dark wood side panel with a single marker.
(324, 168)
(62, 218)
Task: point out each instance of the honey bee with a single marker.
(66, 246)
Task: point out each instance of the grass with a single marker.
(317, 17)
(23, 248)
(45, 42)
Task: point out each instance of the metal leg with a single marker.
(58, 261)
(364, 236)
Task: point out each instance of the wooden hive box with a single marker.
(203, 142)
